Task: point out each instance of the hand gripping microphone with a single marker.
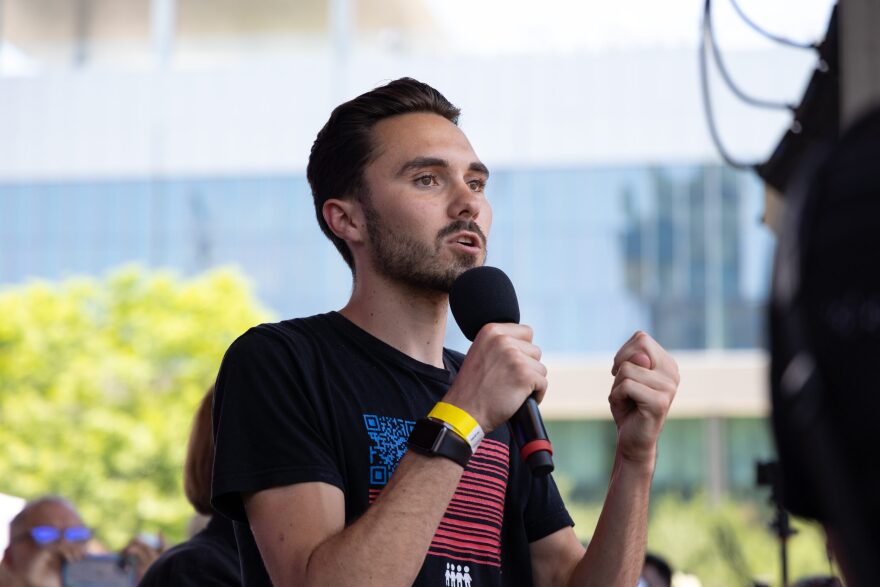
(484, 295)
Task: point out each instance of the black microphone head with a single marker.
(480, 296)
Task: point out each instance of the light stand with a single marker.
(767, 474)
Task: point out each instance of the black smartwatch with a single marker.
(431, 437)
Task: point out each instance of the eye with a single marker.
(427, 180)
(477, 185)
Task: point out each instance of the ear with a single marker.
(345, 219)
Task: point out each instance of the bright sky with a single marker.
(514, 26)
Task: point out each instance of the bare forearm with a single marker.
(388, 544)
(616, 553)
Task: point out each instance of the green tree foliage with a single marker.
(724, 545)
(99, 380)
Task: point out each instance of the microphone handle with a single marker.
(531, 436)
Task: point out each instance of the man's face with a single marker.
(22, 546)
(426, 212)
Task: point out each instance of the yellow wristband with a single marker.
(460, 421)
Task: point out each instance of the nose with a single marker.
(465, 203)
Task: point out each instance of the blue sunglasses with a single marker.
(49, 534)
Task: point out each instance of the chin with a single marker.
(463, 261)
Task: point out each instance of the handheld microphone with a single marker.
(485, 295)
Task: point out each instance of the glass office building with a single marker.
(595, 253)
(178, 142)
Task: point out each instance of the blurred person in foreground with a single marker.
(210, 557)
(314, 416)
(825, 346)
(46, 534)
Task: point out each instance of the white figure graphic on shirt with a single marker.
(456, 576)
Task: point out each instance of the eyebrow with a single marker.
(422, 162)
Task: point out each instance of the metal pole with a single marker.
(783, 556)
(82, 31)
(716, 459)
(163, 16)
(714, 260)
(341, 33)
(683, 246)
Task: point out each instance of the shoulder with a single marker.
(293, 331)
(266, 360)
(296, 336)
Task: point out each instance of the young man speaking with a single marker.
(312, 416)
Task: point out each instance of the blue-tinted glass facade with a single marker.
(594, 252)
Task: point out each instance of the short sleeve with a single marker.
(268, 426)
(545, 512)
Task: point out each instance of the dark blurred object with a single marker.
(825, 344)
(767, 474)
(816, 118)
(818, 582)
(656, 572)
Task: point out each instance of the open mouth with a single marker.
(468, 239)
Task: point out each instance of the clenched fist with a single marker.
(645, 381)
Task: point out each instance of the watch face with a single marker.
(435, 438)
(426, 435)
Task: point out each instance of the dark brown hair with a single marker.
(343, 148)
(200, 458)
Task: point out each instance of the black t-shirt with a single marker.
(319, 399)
(208, 559)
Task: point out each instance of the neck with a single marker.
(411, 320)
